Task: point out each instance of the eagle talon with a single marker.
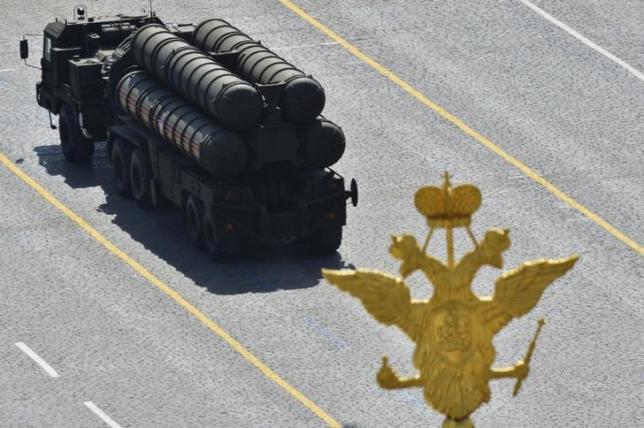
(386, 377)
(521, 370)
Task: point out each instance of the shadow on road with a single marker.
(162, 231)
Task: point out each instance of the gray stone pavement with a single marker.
(567, 112)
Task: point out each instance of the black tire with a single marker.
(120, 158)
(194, 214)
(324, 240)
(140, 180)
(76, 147)
(221, 250)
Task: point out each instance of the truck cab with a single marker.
(72, 81)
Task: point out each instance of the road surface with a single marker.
(142, 330)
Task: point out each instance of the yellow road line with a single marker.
(462, 126)
(174, 295)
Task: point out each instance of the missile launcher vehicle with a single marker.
(204, 117)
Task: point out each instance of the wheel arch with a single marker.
(126, 133)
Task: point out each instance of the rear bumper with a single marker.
(260, 224)
(306, 219)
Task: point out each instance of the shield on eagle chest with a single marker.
(452, 329)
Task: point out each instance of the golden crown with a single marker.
(448, 206)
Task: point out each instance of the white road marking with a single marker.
(584, 40)
(6, 70)
(101, 414)
(38, 359)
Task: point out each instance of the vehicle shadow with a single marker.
(162, 231)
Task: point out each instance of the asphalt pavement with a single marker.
(567, 112)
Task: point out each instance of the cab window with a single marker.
(46, 48)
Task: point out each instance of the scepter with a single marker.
(528, 356)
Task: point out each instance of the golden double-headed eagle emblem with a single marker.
(453, 330)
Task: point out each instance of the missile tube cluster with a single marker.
(221, 152)
(220, 104)
(235, 103)
(303, 98)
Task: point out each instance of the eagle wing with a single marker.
(384, 296)
(519, 290)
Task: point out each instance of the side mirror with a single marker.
(24, 49)
(354, 192)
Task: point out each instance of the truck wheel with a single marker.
(325, 240)
(221, 250)
(195, 221)
(76, 147)
(140, 180)
(120, 157)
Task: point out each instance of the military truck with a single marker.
(230, 133)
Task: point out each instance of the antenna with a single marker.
(151, 13)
